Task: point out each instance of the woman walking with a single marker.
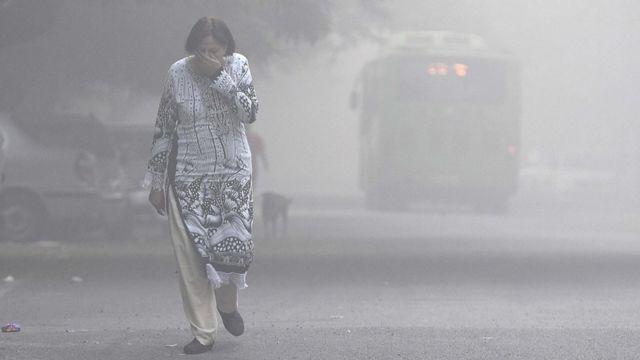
(200, 175)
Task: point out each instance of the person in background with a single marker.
(200, 175)
(258, 154)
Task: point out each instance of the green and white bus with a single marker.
(439, 120)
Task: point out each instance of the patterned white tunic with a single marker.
(200, 151)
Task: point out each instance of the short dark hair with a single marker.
(210, 26)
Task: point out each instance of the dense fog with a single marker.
(577, 64)
(432, 179)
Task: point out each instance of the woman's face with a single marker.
(212, 48)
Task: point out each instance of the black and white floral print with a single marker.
(200, 150)
(218, 214)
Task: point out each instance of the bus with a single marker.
(439, 117)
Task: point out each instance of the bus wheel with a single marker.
(23, 216)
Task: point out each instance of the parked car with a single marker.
(61, 169)
(133, 144)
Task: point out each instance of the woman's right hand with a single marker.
(156, 198)
(208, 65)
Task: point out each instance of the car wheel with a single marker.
(23, 216)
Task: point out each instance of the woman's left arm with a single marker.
(241, 94)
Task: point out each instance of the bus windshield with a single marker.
(448, 79)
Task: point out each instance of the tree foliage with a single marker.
(52, 51)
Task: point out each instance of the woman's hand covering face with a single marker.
(210, 56)
(208, 64)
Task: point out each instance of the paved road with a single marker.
(347, 284)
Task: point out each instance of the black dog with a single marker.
(275, 207)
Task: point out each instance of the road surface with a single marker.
(344, 283)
